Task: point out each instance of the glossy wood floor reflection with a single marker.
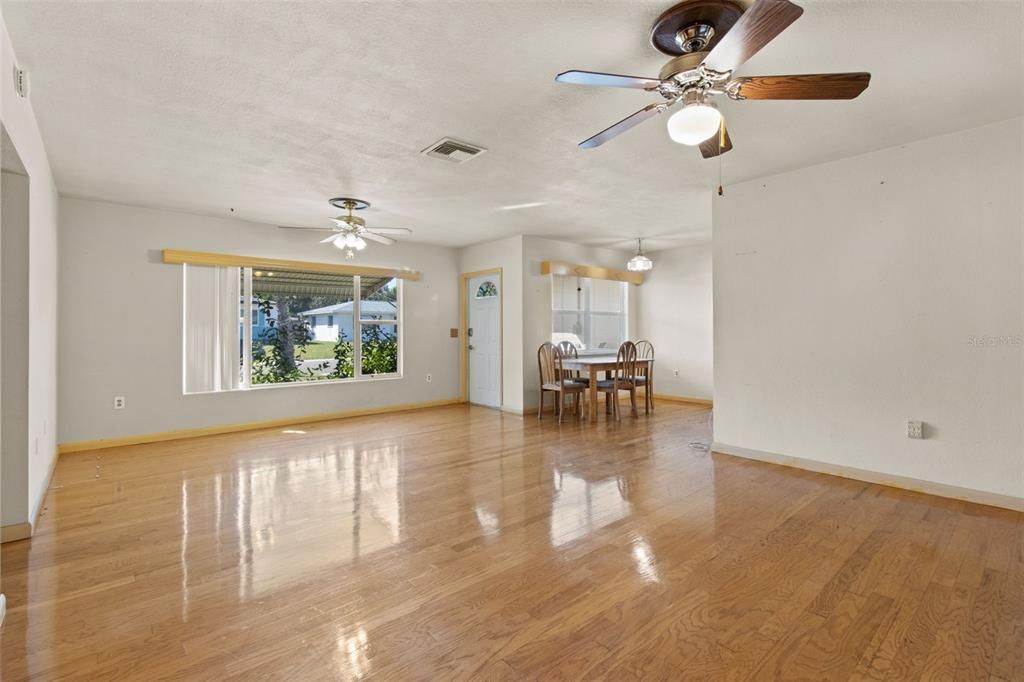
(461, 543)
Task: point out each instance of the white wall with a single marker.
(506, 254)
(537, 297)
(674, 312)
(20, 123)
(114, 284)
(849, 297)
(14, 350)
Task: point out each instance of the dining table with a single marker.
(594, 364)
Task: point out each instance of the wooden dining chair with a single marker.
(645, 378)
(622, 378)
(553, 379)
(568, 350)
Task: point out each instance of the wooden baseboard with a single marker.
(683, 399)
(657, 396)
(893, 481)
(15, 532)
(79, 446)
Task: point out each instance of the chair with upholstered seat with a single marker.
(622, 378)
(645, 377)
(553, 379)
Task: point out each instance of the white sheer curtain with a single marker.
(212, 330)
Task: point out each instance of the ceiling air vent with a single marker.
(453, 150)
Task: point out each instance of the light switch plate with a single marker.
(915, 429)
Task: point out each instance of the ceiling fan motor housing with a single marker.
(681, 64)
(695, 37)
(694, 26)
(351, 221)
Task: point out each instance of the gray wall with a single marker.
(14, 203)
(121, 323)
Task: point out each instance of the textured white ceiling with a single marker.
(270, 108)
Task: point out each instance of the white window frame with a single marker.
(357, 340)
(357, 330)
(588, 314)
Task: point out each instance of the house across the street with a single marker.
(326, 322)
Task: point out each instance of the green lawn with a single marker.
(319, 350)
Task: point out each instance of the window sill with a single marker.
(294, 384)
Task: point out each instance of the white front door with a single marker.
(483, 336)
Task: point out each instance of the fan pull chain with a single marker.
(721, 143)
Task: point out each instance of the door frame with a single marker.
(463, 335)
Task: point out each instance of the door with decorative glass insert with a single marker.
(484, 339)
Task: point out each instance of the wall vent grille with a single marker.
(453, 150)
(20, 81)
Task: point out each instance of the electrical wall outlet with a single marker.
(430, 377)
(915, 429)
(118, 402)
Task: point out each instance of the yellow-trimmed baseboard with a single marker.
(916, 485)
(683, 399)
(79, 446)
(15, 531)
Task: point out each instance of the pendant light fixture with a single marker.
(639, 262)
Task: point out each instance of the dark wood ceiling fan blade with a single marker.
(758, 26)
(622, 126)
(609, 80)
(717, 144)
(809, 86)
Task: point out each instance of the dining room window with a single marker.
(590, 313)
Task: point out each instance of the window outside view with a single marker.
(304, 327)
(589, 313)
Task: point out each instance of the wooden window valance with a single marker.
(551, 267)
(224, 259)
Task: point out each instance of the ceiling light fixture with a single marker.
(639, 262)
(350, 241)
(695, 122)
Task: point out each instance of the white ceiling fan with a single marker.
(350, 232)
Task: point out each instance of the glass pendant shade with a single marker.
(350, 241)
(694, 123)
(639, 262)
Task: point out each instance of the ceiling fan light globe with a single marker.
(339, 242)
(359, 243)
(694, 123)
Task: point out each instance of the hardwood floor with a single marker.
(462, 543)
